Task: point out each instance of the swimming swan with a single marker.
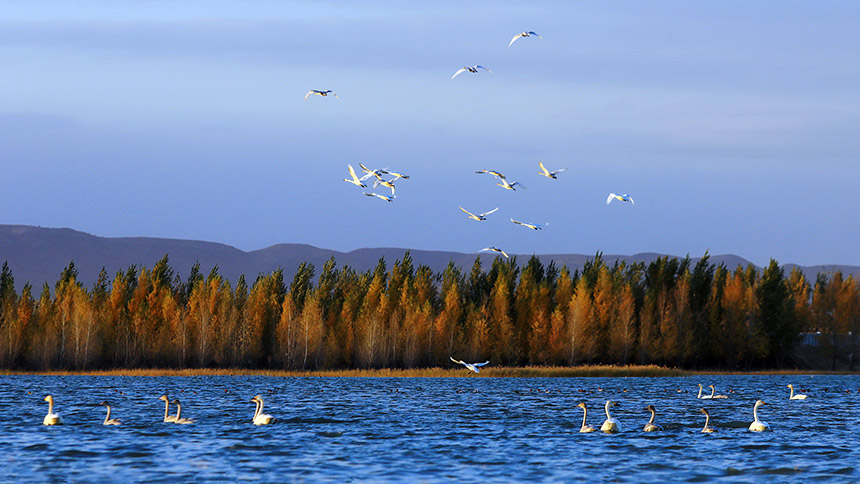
(167, 417)
(651, 426)
(758, 425)
(610, 425)
(700, 393)
(714, 390)
(261, 418)
(52, 418)
(707, 429)
(585, 428)
(799, 396)
(108, 420)
(179, 419)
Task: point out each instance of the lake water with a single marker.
(427, 430)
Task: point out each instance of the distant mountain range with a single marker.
(38, 255)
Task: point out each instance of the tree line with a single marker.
(668, 312)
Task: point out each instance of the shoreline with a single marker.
(497, 372)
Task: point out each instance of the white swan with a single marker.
(325, 93)
(707, 429)
(494, 249)
(479, 217)
(492, 172)
(509, 186)
(108, 420)
(713, 391)
(472, 69)
(524, 34)
(179, 419)
(549, 174)
(651, 426)
(610, 425)
(52, 418)
(167, 417)
(354, 178)
(585, 428)
(381, 197)
(758, 425)
(388, 184)
(799, 396)
(394, 174)
(622, 198)
(261, 418)
(531, 226)
(475, 367)
(700, 393)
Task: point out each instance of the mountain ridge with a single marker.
(39, 254)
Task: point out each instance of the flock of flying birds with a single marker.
(379, 176)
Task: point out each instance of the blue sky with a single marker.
(732, 124)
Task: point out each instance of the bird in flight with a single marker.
(472, 69)
(524, 34)
(354, 180)
(622, 198)
(549, 174)
(475, 367)
(384, 183)
(321, 93)
(381, 197)
(531, 226)
(394, 174)
(369, 173)
(494, 249)
(509, 186)
(492, 172)
(479, 217)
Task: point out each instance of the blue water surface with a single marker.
(428, 430)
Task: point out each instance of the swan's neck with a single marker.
(755, 413)
(700, 392)
(50, 407)
(584, 416)
(166, 409)
(792, 392)
(653, 414)
(178, 410)
(107, 417)
(259, 409)
(707, 420)
(608, 417)
(713, 391)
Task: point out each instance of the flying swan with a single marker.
(531, 226)
(381, 197)
(354, 178)
(549, 174)
(478, 217)
(321, 93)
(623, 198)
(494, 249)
(524, 34)
(472, 69)
(474, 367)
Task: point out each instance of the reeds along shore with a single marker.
(669, 312)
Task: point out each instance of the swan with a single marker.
(585, 428)
(321, 93)
(52, 418)
(472, 69)
(369, 173)
(167, 417)
(714, 390)
(494, 249)
(492, 172)
(524, 34)
(509, 186)
(651, 426)
(622, 198)
(381, 197)
(479, 217)
(394, 174)
(108, 420)
(758, 425)
(475, 367)
(610, 425)
(531, 226)
(549, 174)
(179, 419)
(799, 396)
(700, 393)
(388, 184)
(707, 429)
(261, 418)
(354, 178)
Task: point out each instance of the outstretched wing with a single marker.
(487, 213)
(515, 39)
(517, 222)
(481, 364)
(543, 168)
(468, 212)
(458, 72)
(610, 197)
(308, 94)
(535, 34)
(456, 361)
(556, 172)
(352, 173)
(482, 67)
